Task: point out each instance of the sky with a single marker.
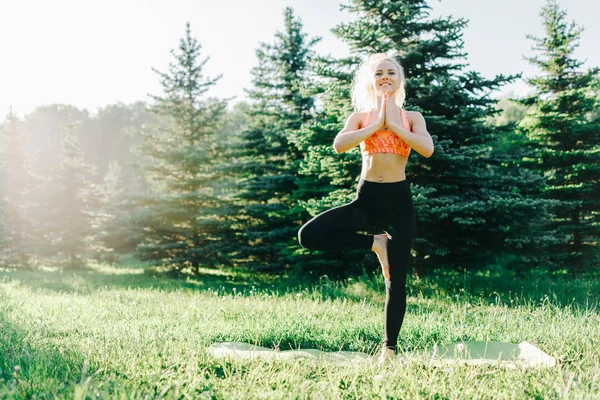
(94, 53)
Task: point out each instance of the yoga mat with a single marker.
(523, 355)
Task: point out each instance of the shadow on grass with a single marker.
(509, 289)
(98, 277)
(484, 286)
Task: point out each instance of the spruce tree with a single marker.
(266, 159)
(471, 211)
(120, 229)
(6, 252)
(185, 221)
(17, 242)
(4, 230)
(73, 202)
(564, 134)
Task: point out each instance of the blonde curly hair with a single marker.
(364, 97)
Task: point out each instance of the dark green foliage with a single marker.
(564, 132)
(327, 179)
(471, 209)
(185, 222)
(266, 159)
(509, 185)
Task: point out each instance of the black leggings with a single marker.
(387, 207)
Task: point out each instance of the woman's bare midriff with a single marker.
(383, 167)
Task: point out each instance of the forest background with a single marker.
(182, 181)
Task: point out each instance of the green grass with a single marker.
(126, 332)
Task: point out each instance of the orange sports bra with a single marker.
(385, 141)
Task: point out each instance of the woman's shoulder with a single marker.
(413, 115)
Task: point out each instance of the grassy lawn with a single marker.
(123, 332)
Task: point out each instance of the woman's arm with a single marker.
(419, 139)
(351, 135)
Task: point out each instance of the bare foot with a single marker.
(380, 248)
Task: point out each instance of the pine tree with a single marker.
(120, 228)
(266, 160)
(185, 221)
(471, 211)
(6, 253)
(565, 139)
(17, 242)
(73, 203)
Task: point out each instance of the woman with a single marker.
(386, 133)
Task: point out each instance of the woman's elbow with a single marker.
(429, 152)
(426, 151)
(336, 147)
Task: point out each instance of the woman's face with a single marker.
(385, 77)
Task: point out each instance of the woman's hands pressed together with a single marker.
(387, 108)
(391, 108)
(381, 119)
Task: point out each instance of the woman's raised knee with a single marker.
(307, 237)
